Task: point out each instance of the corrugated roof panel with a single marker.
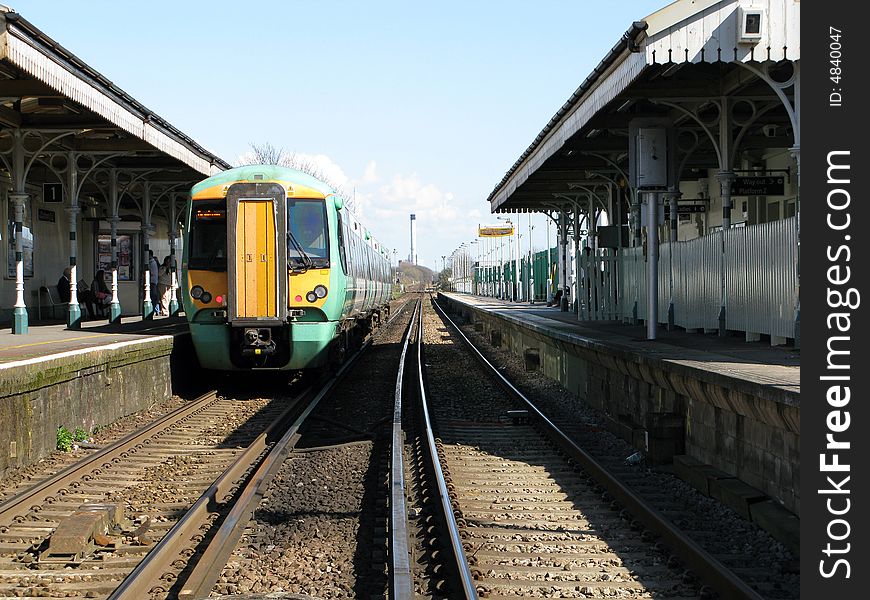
(76, 86)
(605, 90)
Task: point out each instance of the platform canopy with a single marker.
(66, 106)
(677, 64)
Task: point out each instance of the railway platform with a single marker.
(82, 379)
(723, 413)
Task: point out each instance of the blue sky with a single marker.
(417, 107)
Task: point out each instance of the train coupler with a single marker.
(258, 342)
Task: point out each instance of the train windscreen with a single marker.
(207, 243)
(307, 222)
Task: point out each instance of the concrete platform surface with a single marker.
(774, 368)
(54, 338)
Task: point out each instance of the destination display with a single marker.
(495, 231)
(766, 185)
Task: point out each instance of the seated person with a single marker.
(83, 296)
(102, 295)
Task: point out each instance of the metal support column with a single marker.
(19, 314)
(563, 259)
(673, 197)
(115, 305)
(173, 238)
(725, 178)
(147, 305)
(19, 198)
(652, 237)
(576, 300)
(74, 311)
(796, 153)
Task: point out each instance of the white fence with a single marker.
(759, 280)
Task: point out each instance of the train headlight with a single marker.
(196, 292)
(320, 291)
(205, 298)
(311, 297)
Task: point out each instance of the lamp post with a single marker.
(502, 275)
(473, 287)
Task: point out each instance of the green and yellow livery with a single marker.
(276, 273)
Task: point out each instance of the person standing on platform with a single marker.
(164, 286)
(153, 269)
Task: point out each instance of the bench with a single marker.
(53, 301)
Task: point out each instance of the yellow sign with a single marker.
(495, 231)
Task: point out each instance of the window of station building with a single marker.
(773, 211)
(26, 236)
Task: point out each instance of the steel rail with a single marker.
(708, 568)
(144, 576)
(20, 504)
(207, 570)
(401, 578)
(463, 569)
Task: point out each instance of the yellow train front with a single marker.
(276, 273)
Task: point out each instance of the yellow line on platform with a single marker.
(84, 337)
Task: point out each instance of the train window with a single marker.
(307, 222)
(208, 236)
(339, 230)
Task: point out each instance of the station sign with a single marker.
(495, 231)
(764, 185)
(52, 192)
(687, 209)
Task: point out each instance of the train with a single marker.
(277, 273)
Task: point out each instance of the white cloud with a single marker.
(384, 205)
(323, 165)
(370, 175)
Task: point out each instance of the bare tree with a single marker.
(264, 154)
(267, 154)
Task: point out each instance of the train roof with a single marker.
(267, 173)
(214, 186)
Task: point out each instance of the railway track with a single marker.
(311, 517)
(175, 493)
(537, 516)
(741, 547)
(80, 532)
(349, 502)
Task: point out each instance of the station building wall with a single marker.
(48, 223)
